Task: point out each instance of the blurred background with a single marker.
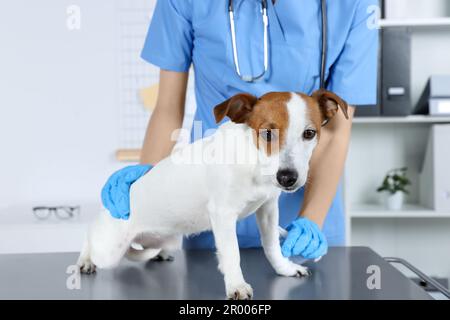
(75, 99)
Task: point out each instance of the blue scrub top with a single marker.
(185, 32)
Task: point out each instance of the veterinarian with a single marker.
(233, 50)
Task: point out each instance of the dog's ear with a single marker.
(329, 104)
(237, 108)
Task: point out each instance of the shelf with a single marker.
(409, 211)
(128, 155)
(406, 119)
(419, 22)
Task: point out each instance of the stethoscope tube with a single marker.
(323, 61)
(266, 41)
(266, 44)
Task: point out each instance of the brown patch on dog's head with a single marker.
(267, 116)
(237, 108)
(329, 104)
(270, 118)
(323, 105)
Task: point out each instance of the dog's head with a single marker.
(286, 128)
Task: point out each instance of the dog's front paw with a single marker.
(242, 291)
(291, 269)
(86, 266)
(163, 256)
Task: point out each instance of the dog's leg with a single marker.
(108, 240)
(224, 228)
(267, 218)
(84, 260)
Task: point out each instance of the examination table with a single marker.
(344, 273)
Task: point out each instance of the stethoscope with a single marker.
(265, 19)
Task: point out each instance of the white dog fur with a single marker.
(178, 197)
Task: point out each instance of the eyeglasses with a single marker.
(61, 212)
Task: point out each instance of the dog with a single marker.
(278, 132)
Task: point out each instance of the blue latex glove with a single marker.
(116, 191)
(304, 238)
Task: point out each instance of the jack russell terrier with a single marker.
(278, 133)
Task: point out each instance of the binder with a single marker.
(434, 177)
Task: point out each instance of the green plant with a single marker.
(395, 180)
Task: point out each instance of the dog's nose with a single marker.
(287, 177)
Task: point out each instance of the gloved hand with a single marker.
(304, 238)
(116, 191)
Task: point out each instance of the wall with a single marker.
(58, 110)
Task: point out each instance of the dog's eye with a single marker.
(309, 134)
(268, 135)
